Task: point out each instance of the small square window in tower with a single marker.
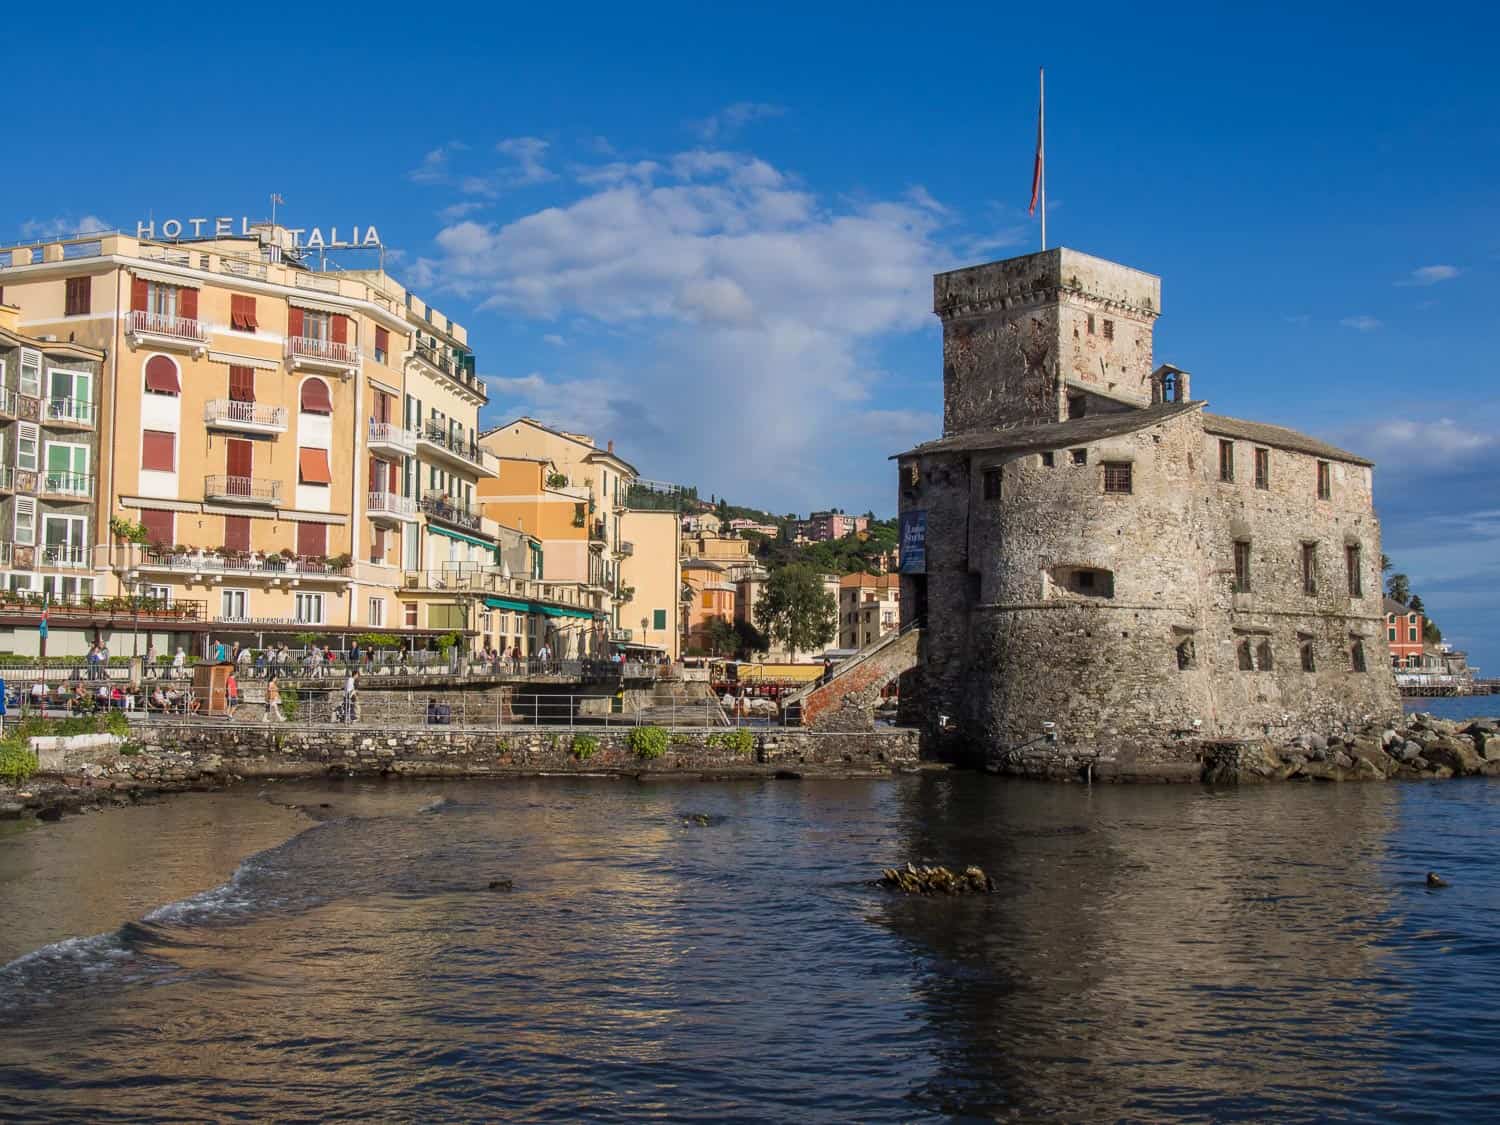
(1048, 460)
(1109, 330)
(1262, 468)
(1117, 476)
(1356, 656)
(1080, 456)
(1325, 482)
(1242, 566)
(1309, 657)
(992, 482)
(1077, 406)
(1187, 656)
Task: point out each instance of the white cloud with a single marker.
(456, 211)
(554, 340)
(1430, 275)
(1360, 323)
(1410, 444)
(63, 226)
(527, 152)
(435, 165)
(741, 308)
(732, 118)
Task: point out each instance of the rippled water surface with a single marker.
(1152, 953)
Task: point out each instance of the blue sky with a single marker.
(708, 231)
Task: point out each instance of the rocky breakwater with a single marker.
(81, 772)
(1421, 747)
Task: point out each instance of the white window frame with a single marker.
(161, 594)
(28, 434)
(162, 300)
(72, 395)
(31, 361)
(377, 612)
(243, 595)
(25, 505)
(76, 445)
(305, 603)
(21, 582)
(70, 522)
(56, 585)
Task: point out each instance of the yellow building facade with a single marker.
(294, 449)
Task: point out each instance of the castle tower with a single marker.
(1042, 338)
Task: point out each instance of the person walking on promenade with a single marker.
(349, 690)
(231, 694)
(93, 659)
(150, 658)
(273, 701)
(219, 652)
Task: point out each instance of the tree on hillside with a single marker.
(1398, 586)
(720, 637)
(795, 609)
(752, 640)
(1385, 562)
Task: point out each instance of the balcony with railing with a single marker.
(69, 413)
(200, 563)
(441, 507)
(317, 354)
(387, 437)
(625, 548)
(9, 403)
(447, 366)
(165, 331)
(473, 578)
(436, 441)
(59, 485)
(7, 478)
(242, 490)
(388, 507)
(64, 558)
(245, 417)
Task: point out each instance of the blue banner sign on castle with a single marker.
(914, 542)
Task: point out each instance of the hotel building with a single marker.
(293, 448)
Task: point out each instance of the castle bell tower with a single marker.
(1042, 338)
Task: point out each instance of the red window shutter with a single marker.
(377, 548)
(161, 376)
(158, 525)
(242, 384)
(158, 451)
(237, 312)
(187, 303)
(237, 533)
(312, 539)
(249, 313)
(340, 329)
(239, 457)
(139, 295)
(312, 466)
(315, 397)
(383, 404)
(377, 475)
(382, 340)
(294, 322)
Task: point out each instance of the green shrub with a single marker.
(648, 742)
(129, 750)
(585, 746)
(739, 740)
(17, 762)
(289, 702)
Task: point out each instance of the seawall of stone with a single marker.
(174, 754)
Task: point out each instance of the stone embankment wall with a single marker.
(1418, 747)
(175, 754)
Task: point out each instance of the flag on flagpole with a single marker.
(1041, 152)
(41, 627)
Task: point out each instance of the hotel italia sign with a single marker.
(223, 226)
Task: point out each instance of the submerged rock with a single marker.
(1436, 880)
(914, 880)
(501, 885)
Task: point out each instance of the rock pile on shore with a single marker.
(1421, 747)
(914, 880)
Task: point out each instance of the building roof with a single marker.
(1279, 436)
(1057, 435)
(1393, 606)
(1081, 431)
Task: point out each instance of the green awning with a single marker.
(564, 611)
(461, 537)
(508, 603)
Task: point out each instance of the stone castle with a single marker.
(1109, 573)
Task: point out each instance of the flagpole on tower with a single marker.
(1041, 144)
(1039, 164)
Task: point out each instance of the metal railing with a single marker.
(625, 548)
(74, 411)
(219, 486)
(389, 503)
(232, 411)
(460, 447)
(65, 558)
(440, 506)
(201, 561)
(388, 433)
(330, 351)
(314, 281)
(241, 267)
(60, 483)
(7, 478)
(8, 401)
(159, 324)
(26, 603)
